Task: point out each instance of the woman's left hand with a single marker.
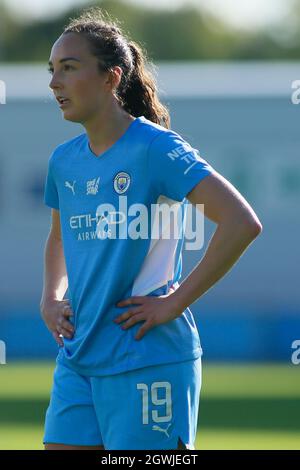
(153, 310)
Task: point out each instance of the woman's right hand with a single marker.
(55, 314)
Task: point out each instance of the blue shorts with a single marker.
(148, 408)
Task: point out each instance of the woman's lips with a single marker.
(64, 103)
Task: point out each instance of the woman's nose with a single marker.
(54, 83)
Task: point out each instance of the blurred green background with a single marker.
(170, 30)
(241, 406)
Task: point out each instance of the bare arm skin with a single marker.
(237, 227)
(55, 310)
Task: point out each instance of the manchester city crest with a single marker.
(121, 182)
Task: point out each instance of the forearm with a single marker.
(226, 246)
(55, 274)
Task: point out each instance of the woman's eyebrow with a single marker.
(65, 59)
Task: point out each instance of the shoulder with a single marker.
(66, 148)
(158, 135)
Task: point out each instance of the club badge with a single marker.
(121, 182)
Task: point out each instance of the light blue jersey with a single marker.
(107, 222)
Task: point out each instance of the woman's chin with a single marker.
(69, 116)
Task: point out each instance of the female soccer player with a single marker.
(128, 370)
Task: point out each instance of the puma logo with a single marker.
(158, 428)
(70, 186)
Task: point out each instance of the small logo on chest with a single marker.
(121, 182)
(70, 186)
(92, 186)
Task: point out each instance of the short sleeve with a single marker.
(51, 194)
(175, 166)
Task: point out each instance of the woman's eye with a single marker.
(65, 68)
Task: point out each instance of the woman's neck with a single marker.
(106, 128)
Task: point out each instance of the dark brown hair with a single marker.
(137, 91)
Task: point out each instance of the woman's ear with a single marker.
(114, 78)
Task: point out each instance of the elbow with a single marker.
(253, 226)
